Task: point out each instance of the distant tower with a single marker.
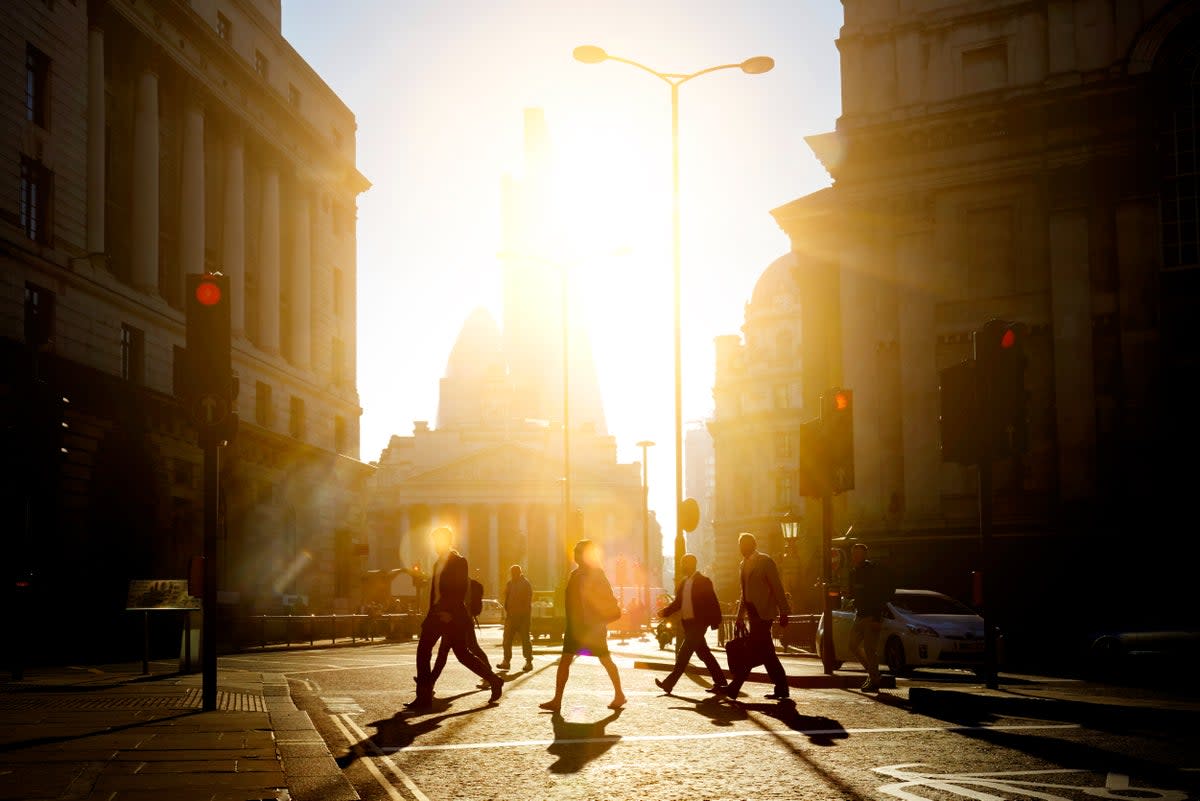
(532, 277)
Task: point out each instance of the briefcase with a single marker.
(742, 653)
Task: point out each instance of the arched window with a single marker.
(1180, 168)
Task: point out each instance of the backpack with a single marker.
(475, 598)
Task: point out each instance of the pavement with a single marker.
(112, 732)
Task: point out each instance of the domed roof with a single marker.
(478, 349)
(778, 279)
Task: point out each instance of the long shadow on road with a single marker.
(576, 744)
(402, 730)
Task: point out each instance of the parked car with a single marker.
(921, 628)
(493, 612)
(1126, 653)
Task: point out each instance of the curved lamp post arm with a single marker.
(673, 78)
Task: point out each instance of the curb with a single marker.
(312, 773)
(957, 704)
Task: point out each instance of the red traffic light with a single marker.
(841, 401)
(208, 293)
(1008, 339)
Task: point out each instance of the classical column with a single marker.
(301, 282)
(405, 538)
(191, 192)
(95, 141)
(552, 558)
(462, 536)
(144, 200)
(919, 378)
(233, 244)
(1071, 313)
(494, 549)
(268, 258)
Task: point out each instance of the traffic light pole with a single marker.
(828, 658)
(208, 627)
(985, 579)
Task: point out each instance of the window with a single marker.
(781, 396)
(783, 491)
(783, 445)
(185, 473)
(224, 28)
(1180, 200)
(33, 208)
(262, 404)
(133, 354)
(261, 65)
(39, 315)
(293, 96)
(296, 422)
(338, 368)
(339, 434)
(37, 83)
(338, 297)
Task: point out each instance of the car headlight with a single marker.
(914, 628)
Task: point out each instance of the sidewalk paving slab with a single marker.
(113, 733)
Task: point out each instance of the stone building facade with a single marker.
(760, 399)
(1033, 162)
(145, 141)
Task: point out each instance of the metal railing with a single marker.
(300, 629)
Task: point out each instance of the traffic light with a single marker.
(209, 365)
(837, 422)
(813, 472)
(209, 387)
(1003, 404)
(958, 421)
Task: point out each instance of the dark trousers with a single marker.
(694, 641)
(760, 634)
(444, 651)
(455, 633)
(517, 626)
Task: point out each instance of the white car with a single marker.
(493, 612)
(921, 628)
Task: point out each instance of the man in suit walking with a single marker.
(698, 608)
(518, 608)
(763, 599)
(448, 618)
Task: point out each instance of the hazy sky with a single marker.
(439, 89)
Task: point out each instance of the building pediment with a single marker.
(503, 464)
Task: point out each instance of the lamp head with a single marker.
(590, 54)
(751, 66)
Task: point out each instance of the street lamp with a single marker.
(790, 528)
(590, 54)
(644, 445)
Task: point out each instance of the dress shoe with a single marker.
(663, 686)
(716, 689)
(497, 688)
(778, 696)
(418, 703)
(502, 665)
(528, 666)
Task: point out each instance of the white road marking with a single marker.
(961, 784)
(344, 722)
(721, 735)
(370, 765)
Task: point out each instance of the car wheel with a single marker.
(893, 656)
